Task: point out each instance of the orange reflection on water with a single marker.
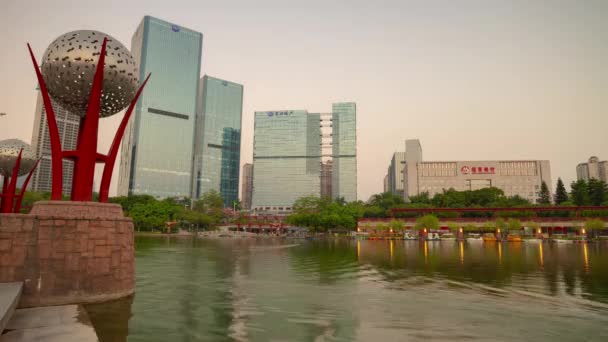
(499, 253)
(586, 257)
(392, 248)
(426, 251)
(461, 243)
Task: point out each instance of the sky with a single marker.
(473, 80)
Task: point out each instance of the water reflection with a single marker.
(260, 290)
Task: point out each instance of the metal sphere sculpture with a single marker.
(16, 159)
(69, 66)
(92, 75)
(9, 152)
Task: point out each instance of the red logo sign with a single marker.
(478, 170)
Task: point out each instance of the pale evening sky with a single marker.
(473, 80)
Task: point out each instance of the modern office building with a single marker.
(594, 168)
(395, 173)
(385, 184)
(286, 159)
(344, 151)
(157, 149)
(217, 150)
(68, 125)
(247, 186)
(514, 177)
(326, 178)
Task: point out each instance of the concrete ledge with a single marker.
(83, 210)
(54, 323)
(10, 293)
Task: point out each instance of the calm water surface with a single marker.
(341, 290)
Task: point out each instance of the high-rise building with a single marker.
(217, 150)
(515, 177)
(247, 186)
(286, 159)
(68, 125)
(344, 151)
(386, 187)
(594, 168)
(395, 173)
(157, 149)
(326, 171)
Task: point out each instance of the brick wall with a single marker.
(68, 252)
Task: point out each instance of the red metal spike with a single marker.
(56, 157)
(9, 196)
(86, 149)
(104, 189)
(27, 181)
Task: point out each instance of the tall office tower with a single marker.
(68, 125)
(326, 171)
(157, 149)
(217, 148)
(386, 187)
(286, 159)
(344, 151)
(594, 168)
(247, 186)
(413, 156)
(396, 173)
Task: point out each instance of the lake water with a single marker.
(346, 290)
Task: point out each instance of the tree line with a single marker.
(150, 214)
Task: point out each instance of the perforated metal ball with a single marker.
(69, 65)
(9, 150)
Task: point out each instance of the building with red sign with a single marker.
(514, 177)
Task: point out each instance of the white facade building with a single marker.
(594, 168)
(514, 177)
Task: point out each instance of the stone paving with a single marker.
(64, 323)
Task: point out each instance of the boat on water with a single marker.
(533, 240)
(433, 237)
(513, 238)
(409, 236)
(448, 237)
(489, 237)
(474, 237)
(562, 241)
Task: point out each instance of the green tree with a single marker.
(593, 226)
(513, 225)
(598, 191)
(422, 198)
(579, 192)
(396, 225)
(561, 195)
(211, 204)
(544, 197)
(386, 200)
(453, 226)
(430, 222)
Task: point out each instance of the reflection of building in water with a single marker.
(286, 288)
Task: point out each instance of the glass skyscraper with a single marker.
(286, 158)
(344, 151)
(217, 154)
(157, 149)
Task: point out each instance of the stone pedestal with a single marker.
(68, 252)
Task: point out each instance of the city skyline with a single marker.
(466, 90)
